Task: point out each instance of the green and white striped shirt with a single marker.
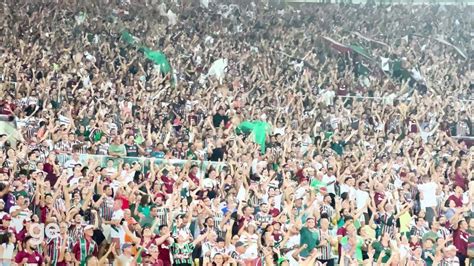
(182, 253)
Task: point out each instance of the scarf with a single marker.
(84, 252)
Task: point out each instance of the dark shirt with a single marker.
(217, 155)
(132, 150)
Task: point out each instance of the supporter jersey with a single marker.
(34, 258)
(164, 252)
(182, 253)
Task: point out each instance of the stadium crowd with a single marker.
(366, 156)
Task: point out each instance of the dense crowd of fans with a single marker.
(367, 159)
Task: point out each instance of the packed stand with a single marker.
(365, 156)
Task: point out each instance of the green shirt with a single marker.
(428, 260)
(311, 238)
(117, 149)
(145, 210)
(378, 247)
(358, 247)
(182, 253)
(338, 147)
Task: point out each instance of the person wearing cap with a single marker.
(126, 257)
(85, 246)
(240, 250)
(29, 254)
(20, 212)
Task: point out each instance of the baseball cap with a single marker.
(7, 217)
(88, 227)
(126, 245)
(240, 244)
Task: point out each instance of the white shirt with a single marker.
(7, 251)
(328, 179)
(293, 241)
(111, 171)
(118, 232)
(361, 198)
(291, 259)
(17, 221)
(351, 191)
(429, 194)
(328, 97)
(69, 165)
(75, 180)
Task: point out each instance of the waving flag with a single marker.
(259, 130)
(318, 185)
(157, 57)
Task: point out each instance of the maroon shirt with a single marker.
(460, 239)
(164, 252)
(378, 198)
(459, 180)
(43, 214)
(34, 257)
(51, 177)
(456, 200)
(341, 232)
(194, 179)
(274, 212)
(168, 182)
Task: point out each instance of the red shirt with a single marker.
(33, 258)
(378, 198)
(43, 214)
(274, 212)
(459, 180)
(168, 182)
(164, 253)
(456, 200)
(194, 179)
(460, 239)
(125, 202)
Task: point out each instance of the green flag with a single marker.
(361, 69)
(128, 38)
(157, 57)
(259, 130)
(360, 50)
(317, 184)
